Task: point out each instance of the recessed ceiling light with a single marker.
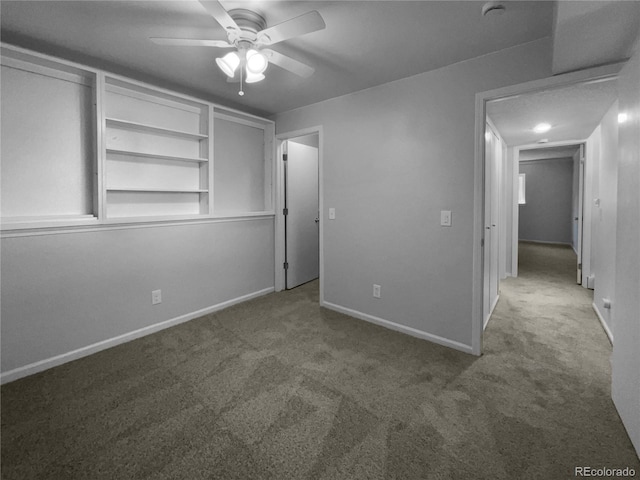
(542, 127)
(622, 117)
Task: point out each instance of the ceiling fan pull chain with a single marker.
(241, 93)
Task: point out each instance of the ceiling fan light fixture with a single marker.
(229, 63)
(257, 62)
(253, 77)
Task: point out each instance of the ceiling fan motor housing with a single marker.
(250, 23)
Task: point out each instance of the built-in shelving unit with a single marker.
(157, 152)
(106, 149)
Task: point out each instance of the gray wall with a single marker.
(546, 217)
(63, 292)
(625, 361)
(603, 223)
(394, 156)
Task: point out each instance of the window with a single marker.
(521, 189)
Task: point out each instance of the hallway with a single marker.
(549, 347)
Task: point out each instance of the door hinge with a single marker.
(286, 265)
(285, 211)
(579, 266)
(482, 242)
(285, 157)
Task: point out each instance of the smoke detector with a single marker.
(493, 9)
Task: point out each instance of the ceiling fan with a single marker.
(248, 35)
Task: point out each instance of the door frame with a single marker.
(516, 210)
(479, 200)
(280, 238)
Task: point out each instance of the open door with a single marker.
(492, 176)
(578, 218)
(302, 212)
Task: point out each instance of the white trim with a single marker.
(493, 307)
(48, 363)
(132, 83)
(241, 115)
(242, 121)
(515, 211)
(605, 327)
(400, 328)
(482, 98)
(542, 146)
(100, 150)
(122, 225)
(146, 97)
(477, 319)
(81, 78)
(279, 198)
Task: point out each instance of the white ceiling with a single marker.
(366, 43)
(573, 112)
(594, 32)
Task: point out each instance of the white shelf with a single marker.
(157, 190)
(152, 156)
(142, 127)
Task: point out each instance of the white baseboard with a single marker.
(544, 242)
(400, 328)
(605, 327)
(48, 363)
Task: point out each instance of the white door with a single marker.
(493, 154)
(496, 174)
(579, 218)
(301, 220)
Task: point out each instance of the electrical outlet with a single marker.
(156, 297)
(376, 291)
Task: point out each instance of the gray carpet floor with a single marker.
(277, 388)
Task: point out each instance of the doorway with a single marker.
(553, 211)
(301, 210)
(485, 194)
(298, 220)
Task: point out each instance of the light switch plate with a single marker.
(332, 214)
(445, 218)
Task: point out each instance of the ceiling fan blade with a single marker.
(288, 63)
(307, 23)
(191, 42)
(217, 11)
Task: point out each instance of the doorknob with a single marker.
(317, 220)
